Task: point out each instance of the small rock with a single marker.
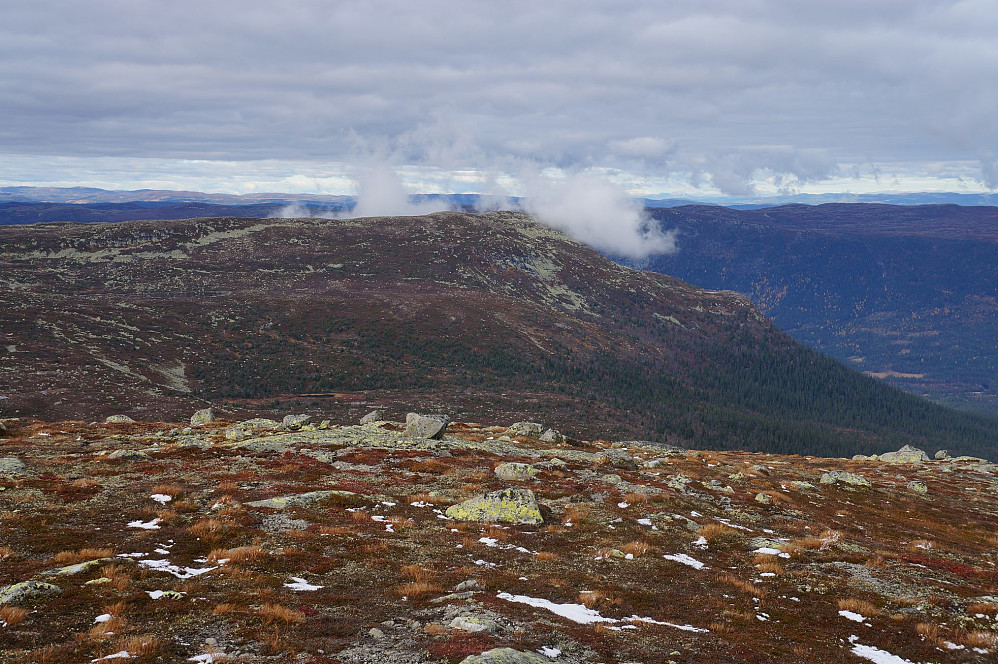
(128, 454)
(376, 415)
(611, 478)
(763, 498)
(376, 633)
(906, 454)
(470, 584)
(802, 486)
(507, 505)
(325, 424)
(843, 476)
(27, 590)
(918, 487)
(506, 656)
(11, 466)
(237, 432)
(942, 454)
(202, 417)
(556, 463)
(118, 419)
(860, 457)
(426, 426)
(525, 430)
(294, 422)
(473, 624)
(515, 472)
(186, 431)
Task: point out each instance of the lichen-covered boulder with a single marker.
(506, 656)
(906, 454)
(426, 426)
(118, 419)
(918, 487)
(376, 415)
(515, 472)
(507, 506)
(552, 436)
(294, 422)
(836, 476)
(525, 429)
(134, 455)
(202, 417)
(27, 591)
(308, 498)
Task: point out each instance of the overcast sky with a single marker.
(739, 97)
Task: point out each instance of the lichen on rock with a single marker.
(507, 506)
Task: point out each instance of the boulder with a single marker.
(473, 624)
(506, 656)
(11, 466)
(237, 432)
(942, 454)
(525, 429)
(836, 476)
(294, 422)
(202, 417)
(618, 459)
(906, 454)
(763, 498)
(118, 419)
(426, 426)
(507, 506)
(552, 436)
(376, 415)
(515, 472)
(26, 591)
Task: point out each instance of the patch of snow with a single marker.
(735, 525)
(623, 505)
(301, 584)
(131, 555)
(156, 594)
(953, 646)
(850, 615)
(575, 612)
(102, 618)
(161, 498)
(701, 542)
(161, 551)
(148, 525)
(645, 522)
(875, 655)
(685, 560)
(770, 551)
(694, 513)
(206, 658)
(685, 628)
(124, 654)
(420, 503)
(549, 651)
(164, 565)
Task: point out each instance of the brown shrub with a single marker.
(169, 488)
(931, 632)
(137, 645)
(209, 529)
(12, 614)
(721, 628)
(978, 639)
(744, 586)
(575, 514)
(85, 483)
(223, 608)
(636, 548)
(547, 556)
(70, 557)
(598, 600)
(417, 590)
(635, 498)
(415, 571)
(238, 555)
(859, 606)
(272, 613)
(718, 534)
(6, 552)
(107, 628)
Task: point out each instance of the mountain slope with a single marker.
(907, 294)
(488, 314)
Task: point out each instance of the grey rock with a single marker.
(611, 478)
(11, 466)
(473, 624)
(202, 417)
(526, 430)
(552, 436)
(906, 454)
(918, 487)
(618, 459)
(942, 454)
(376, 415)
(802, 486)
(508, 506)
(293, 422)
(26, 591)
(376, 633)
(515, 472)
(308, 498)
(679, 482)
(860, 457)
(836, 476)
(118, 419)
(665, 449)
(79, 568)
(237, 432)
(426, 426)
(186, 431)
(470, 584)
(506, 656)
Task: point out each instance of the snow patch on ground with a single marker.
(299, 583)
(686, 560)
(148, 525)
(875, 655)
(164, 565)
(161, 498)
(850, 615)
(580, 614)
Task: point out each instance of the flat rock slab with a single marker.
(507, 506)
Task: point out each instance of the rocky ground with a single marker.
(429, 541)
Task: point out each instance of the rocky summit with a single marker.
(305, 541)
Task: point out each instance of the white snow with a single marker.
(156, 594)
(161, 498)
(164, 565)
(850, 615)
(875, 655)
(645, 522)
(770, 551)
(623, 505)
(685, 628)
(301, 584)
(580, 614)
(701, 542)
(207, 658)
(102, 618)
(148, 525)
(124, 654)
(685, 559)
(548, 651)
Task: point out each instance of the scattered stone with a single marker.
(942, 455)
(508, 506)
(307, 498)
(11, 466)
(860, 457)
(906, 454)
(556, 463)
(128, 454)
(295, 422)
(26, 591)
(426, 426)
(515, 472)
(186, 431)
(118, 419)
(763, 498)
(552, 436)
(918, 487)
(473, 624)
(376, 415)
(202, 417)
(525, 430)
(506, 656)
(470, 584)
(843, 476)
(325, 424)
(678, 483)
(611, 478)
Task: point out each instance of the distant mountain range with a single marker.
(491, 315)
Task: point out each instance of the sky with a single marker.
(692, 98)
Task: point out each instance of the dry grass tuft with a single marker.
(436, 629)
(138, 645)
(11, 615)
(978, 639)
(575, 514)
(740, 584)
(415, 571)
(6, 552)
(985, 608)
(721, 628)
(169, 488)
(718, 534)
(417, 590)
(238, 555)
(598, 600)
(108, 628)
(859, 606)
(636, 548)
(223, 608)
(547, 556)
(635, 498)
(770, 566)
(209, 529)
(70, 557)
(272, 613)
(931, 632)
(85, 483)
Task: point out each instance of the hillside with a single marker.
(486, 314)
(259, 542)
(907, 294)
